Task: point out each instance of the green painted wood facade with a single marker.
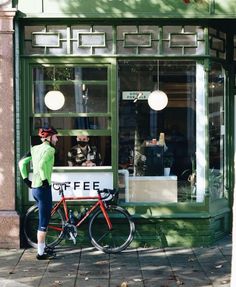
(128, 9)
(159, 224)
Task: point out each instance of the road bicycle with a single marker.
(111, 228)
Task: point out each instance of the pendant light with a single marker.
(54, 100)
(158, 99)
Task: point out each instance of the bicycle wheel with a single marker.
(31, 226)
(116, 239)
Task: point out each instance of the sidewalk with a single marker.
(141, 267)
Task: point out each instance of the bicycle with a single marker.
(111, 228)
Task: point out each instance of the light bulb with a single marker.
(157, 100)
(54, 100)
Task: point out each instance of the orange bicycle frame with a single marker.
(63, 201)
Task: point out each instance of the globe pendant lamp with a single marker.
(54, 100)
(158, 99)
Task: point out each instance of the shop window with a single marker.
(74, 100)
(216, 132)
(72, 123)
(152, 141)
(99, 154)
(84, 89)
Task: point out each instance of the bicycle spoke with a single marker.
(54, 233)
(104, 235)
(108, 240)
(116, 239)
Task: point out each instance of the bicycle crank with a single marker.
(71, 232)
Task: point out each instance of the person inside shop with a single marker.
(84, 154)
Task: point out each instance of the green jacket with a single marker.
(42, 157)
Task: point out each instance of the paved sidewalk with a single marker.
(141, 267)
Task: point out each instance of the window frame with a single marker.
(28, 63)
(27, 111)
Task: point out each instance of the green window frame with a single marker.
(28, 116)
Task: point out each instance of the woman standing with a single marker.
(42, 158)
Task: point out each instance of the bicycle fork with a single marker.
(106, 215)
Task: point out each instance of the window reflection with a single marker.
(71, 123)
(85, 89)
(216, 131)
(151, 141)
(66, 143)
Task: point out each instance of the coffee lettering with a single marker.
(96, 185)
(86, 185)
(67, 185)
(77, 185)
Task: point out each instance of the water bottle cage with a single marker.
(72, 218)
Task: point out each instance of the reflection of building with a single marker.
(100, 67)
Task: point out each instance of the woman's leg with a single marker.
(43, 198)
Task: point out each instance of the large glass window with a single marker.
(216, 131)
(84, 88)
(152, 141)
(100, 154)
(75, 101)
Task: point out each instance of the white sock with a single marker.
(41, 247)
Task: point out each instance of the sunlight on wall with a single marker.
(1, 130)
(6, 3)
(1, 176)
(1, 153)
(1, 81)
(13, 232)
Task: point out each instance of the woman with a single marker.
(42, 158)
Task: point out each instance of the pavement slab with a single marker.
(134, 267)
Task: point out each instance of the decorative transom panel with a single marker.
(49, 39)
(92, 39)
(118, 40)
(138, 40)
(217, 43)
(183, 40)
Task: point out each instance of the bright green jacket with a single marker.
(42, 157)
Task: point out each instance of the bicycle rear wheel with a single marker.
(31, 226)
(116, 239)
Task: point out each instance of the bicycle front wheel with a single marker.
(120, 235)
(55, 227)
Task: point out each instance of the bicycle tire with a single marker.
(116, 239)
(31, 225)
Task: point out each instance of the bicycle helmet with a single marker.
(46, 132)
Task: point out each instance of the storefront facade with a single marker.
(106, 58)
